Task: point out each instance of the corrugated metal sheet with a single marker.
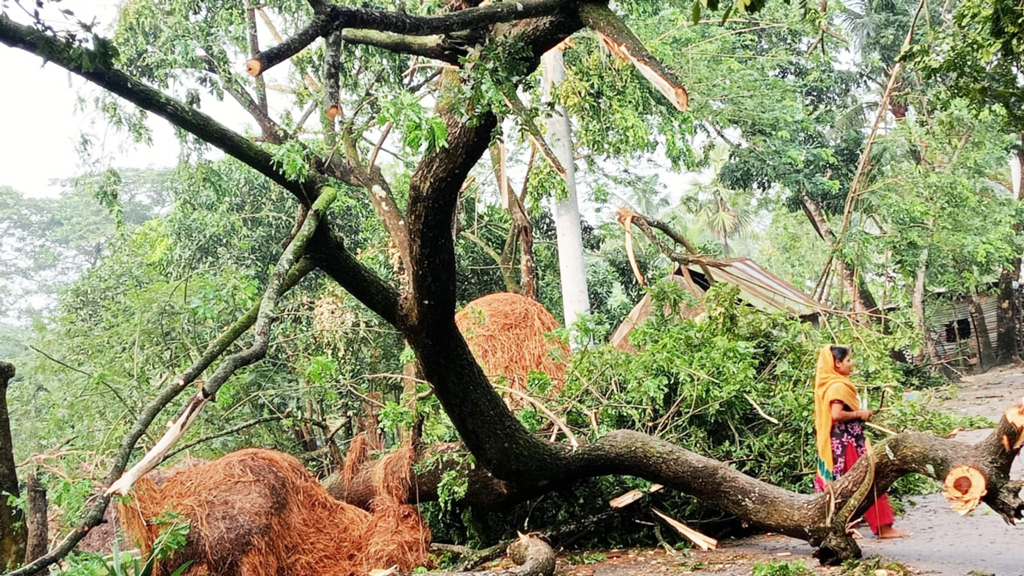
(762, 289)
(943, 315)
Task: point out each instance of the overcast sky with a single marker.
(41, 127)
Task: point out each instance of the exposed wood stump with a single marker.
(965, 486)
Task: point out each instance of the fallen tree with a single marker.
(423, 310)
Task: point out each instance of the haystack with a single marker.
(509, 335)
(260, 513)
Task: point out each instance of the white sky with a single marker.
(40, 126)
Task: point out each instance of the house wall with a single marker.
(942, 315)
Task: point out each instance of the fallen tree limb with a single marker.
(261, 340)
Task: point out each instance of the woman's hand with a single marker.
(864, 414)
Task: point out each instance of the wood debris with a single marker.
(703, 542)
(632, 496)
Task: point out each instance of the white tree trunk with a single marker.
(571, 268)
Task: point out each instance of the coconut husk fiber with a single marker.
(509, 335)
(260, 513)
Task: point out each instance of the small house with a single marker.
(962, 336)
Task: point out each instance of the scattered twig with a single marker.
(540, 406)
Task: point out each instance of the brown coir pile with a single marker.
(510, 336)
(260, 513)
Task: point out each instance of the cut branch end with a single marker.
(254, 67)
(964, 487)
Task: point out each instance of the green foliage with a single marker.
(172, 537)
(422, 131)
(699, 383)
(452, 487)
(978, 57)
(780, 568)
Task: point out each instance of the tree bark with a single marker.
(986, 354)
(12, 526)
(38, 530)
(804, 516)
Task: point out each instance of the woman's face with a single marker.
(845, 366)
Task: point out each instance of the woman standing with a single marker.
(839, 428)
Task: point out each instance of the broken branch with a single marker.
(621, 42)
(337, 18)
(232, 363)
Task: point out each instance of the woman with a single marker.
(839, 428)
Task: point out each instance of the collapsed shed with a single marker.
(757, 286)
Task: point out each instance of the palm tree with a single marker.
(717, 209)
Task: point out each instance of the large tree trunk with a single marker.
(571, 268)
(12, 526)
(986, 354)
(811, 517)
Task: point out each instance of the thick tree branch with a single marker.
(337, 18)
(621, 41)
(435, 47)
(499, 442)
(103, 74)
(330, 254)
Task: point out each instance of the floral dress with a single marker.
(847, 447)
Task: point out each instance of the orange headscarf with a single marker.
(829, 385)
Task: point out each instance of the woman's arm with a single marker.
(841, 414)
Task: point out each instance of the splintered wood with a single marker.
(675, 93)
(964, 488)
(632, 496)
(703, 542)
(626, 219)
